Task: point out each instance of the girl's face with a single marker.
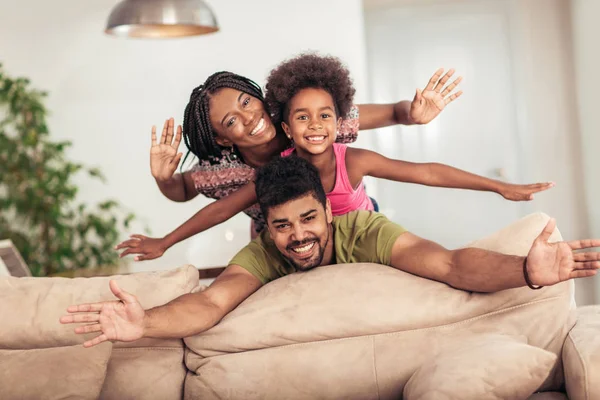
(312, 123)
(239, 119)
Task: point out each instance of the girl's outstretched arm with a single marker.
(362, 162)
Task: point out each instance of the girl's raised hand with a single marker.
(429, 102)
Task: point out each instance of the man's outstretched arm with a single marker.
(486, 271)
(190, 314)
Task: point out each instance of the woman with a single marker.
(228, 128)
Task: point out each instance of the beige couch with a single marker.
(360, 331)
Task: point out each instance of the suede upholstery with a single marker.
(354, 331)
(31, 308)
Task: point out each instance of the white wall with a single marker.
(106, 93)
(545, 105)
(542, 73)
(545, 38)
(586, 31)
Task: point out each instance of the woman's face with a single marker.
(240, 119)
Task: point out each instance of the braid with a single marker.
(198, 133)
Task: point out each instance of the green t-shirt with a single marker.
(359, 236)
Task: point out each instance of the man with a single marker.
(302, 235)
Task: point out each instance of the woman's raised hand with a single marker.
(164, 157)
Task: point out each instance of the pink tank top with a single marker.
(343, 198)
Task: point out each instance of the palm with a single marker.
(430, 102)
(164, 157)
(551, 263)
(556, 259)
(114, 320)
(122, 321)
(161, 161)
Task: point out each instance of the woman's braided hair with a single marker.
(198, 132)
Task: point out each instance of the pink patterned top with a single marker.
(220, 180)
(344, 198)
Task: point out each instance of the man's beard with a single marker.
(310, 263)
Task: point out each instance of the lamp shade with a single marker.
(161, 19)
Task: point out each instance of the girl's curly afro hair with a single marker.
(308, 70)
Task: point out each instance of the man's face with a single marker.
(301, 230)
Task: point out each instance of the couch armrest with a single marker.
(581, 355)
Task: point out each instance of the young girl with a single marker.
(309, 95)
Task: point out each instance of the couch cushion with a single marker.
(481, 367)
(147, 368)
(365, 326)
(153, 373)
(581, 355)
(71, 372)
(31, 307)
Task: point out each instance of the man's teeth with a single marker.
(315, 138)
(304, 249)
(258, 127)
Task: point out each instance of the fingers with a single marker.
(128, 244)
(542, 184)
(145, 257)
(135, 241)
(154, 143)
(587, 265)
(89, 328)
(77, 318)
(451, 86)
(589, 256)
(438, 87)
(177, 140)
(582, 273)
(121, 294)
(97, 340)
(418, 96)
(170, 131)
(550, 226)
(526, 192)
(453, 97)
(540, 187)
(91, 307)
(163, 135)
(583, 244)
(135, 245)
(130, 251)
(434, 79)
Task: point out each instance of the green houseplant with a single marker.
(38, 207)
